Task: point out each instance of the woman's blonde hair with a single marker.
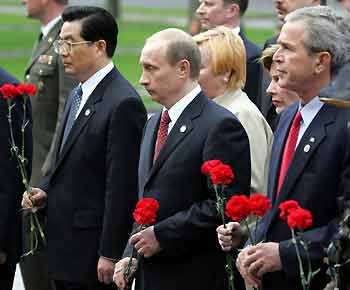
(226, 53)
(266, 58)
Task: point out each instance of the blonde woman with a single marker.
(222, 77)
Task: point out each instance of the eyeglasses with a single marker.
(66, 46)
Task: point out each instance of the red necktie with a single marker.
(289, 149)
(162, 133)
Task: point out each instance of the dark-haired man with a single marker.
(92, 185)
(11, 186)
(46, 71)
(213, 13)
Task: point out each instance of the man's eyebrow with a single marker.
(63, 37)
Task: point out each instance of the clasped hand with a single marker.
(34, 200)
(254, 261)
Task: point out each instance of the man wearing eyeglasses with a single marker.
(92, 186)
(46, 71)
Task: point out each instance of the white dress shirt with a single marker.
(308, 113)
(90, 85)
(176, 110)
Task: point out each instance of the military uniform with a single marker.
(46, 71)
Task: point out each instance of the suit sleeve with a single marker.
(317, 239)
(228, 142)
(65, 85)
(122, 156)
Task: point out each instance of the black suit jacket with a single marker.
(187, 218)
(11, 187)
(254, 72)
(92, 186)
(313, 179)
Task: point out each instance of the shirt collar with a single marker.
(309, 111)
(176, 110)
(236, 30)
(90, 84)
(46, 28)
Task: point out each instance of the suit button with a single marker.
(27, 77)
(40, 71)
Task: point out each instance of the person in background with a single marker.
(11, 186)
(222, 77)
(46, 71)
(280, 97)
(92, 185)
(213, 13)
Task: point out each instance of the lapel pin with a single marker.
(183, 129)
(307, 148)
(87, 112)
(312, 139)
(50, 40)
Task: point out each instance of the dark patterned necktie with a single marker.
(162, 133)
(75, 98)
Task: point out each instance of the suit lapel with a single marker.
(277, 150)
(312, 138)
(61, 129)
(178, 133)
(147, 149)
(85, 115)
(307, 146)
(44, 44)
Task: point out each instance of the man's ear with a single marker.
(232, 10)
(183, 68)
(101, 46)
(323, 61)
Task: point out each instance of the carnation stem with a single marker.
(229, 270)
(249, 232)
(127, 270)
(35, 226)
(301, 268)
(220, 203)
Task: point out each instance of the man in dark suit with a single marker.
(182, 242)
(310, 173)
(213, 13)
(11, 186)
(92, 186)
(46, 71)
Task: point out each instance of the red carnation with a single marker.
(299, 218)
(9, 91)
(146, 211)
(210, 164)
(221, 174)
(238, 208)
(27, 89)
(259, 204)
(287, 207)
